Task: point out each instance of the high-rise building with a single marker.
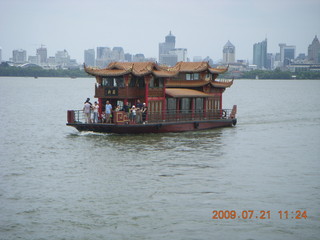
(229, 53)
(117, 54)
(102, 52)
(19, 56)
(89, 57)
(62, 58)
(0, 54)
(181, 54)
(51, 61)
(287, 54)
(34, 59)
(128, 57)
(314, 51)
(103, 56)
(270, 61)
(165, 48)
(260, 54)
(139, 57)
(169, 59)
(42, 53)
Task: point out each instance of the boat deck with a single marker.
(155, 122)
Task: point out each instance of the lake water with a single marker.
(57, 183)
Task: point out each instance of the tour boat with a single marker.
(185, 97)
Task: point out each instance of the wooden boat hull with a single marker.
(164, 127)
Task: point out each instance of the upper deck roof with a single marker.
(146, 68)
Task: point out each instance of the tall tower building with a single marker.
(103, 56)
(42, 53)
(19, 56)
(287, 53)
(229, 51)
(0, 54)
(314, 51)
(181, 54)
(117, 54)
(165, 48)
(260, 54)
(89, 57)
(128, 57)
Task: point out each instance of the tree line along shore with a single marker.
(10, 71)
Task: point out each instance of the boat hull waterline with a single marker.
(154, 127)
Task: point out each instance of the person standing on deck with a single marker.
(87, 112)
(139, 111)
(95, 112)
(133, 114)
(88, 101)
(108, 112)
(144, 113)
(126, 108)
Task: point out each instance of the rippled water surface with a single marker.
(57, 183)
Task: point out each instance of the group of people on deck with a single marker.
(137, 113)
(91, 111)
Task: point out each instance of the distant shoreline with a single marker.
(9, 71)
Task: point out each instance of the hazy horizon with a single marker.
(201, 26)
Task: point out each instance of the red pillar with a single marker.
(147, 79)
(164, 103)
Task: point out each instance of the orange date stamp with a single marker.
(258, 214)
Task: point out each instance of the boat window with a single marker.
(192, 76)
(107, 82)
(141, 83)
(137, 82)
(132, 82)
(156, 83)
(119, 82)
(151, 84)
(199, 105)
(171, 105)
(161, 82)
(155, 106)
(217, 104)
(185, 105)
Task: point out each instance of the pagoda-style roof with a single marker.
(186, 83)
(138, 69)
(222, 84)
(146, 68)
(195, 67)
(183, 92)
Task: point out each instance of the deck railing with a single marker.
(77, 116)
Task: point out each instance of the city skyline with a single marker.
(41, 55)
(203, 27)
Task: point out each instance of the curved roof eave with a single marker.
(186, 83)
(222, 84)
(218, 70)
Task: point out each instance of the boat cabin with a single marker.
(186, 90)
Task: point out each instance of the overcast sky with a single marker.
(201, 26)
